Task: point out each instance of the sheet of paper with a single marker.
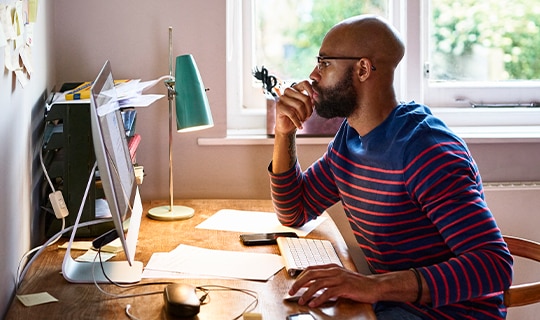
(149, 84)
(254, 222)
(22, 77)
(26, 58)
(157, 258)
(219, 263)
(34, 299)
(91, 256)
(129, 94)
(7, 22)
(128, 89)
(77, 245)
(143, 100)
(3, 39)
(114, 246)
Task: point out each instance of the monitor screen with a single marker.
(112, 153)
(119, 186)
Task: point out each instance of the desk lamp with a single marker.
(192, 113)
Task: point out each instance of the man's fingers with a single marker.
(304, 87)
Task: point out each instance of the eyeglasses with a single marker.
(322, 63)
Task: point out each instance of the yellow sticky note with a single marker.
(34, 299)
(32, 10)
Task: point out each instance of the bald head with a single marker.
(366, 36)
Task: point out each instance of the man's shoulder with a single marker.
(412, 110)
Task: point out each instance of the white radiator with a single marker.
(516, 207)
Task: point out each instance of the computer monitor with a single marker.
(119, 186)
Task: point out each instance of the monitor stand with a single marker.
(117, 271)
(90, 272)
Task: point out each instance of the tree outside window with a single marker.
(488, 40)
(290, 32)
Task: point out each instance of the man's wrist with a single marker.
(284, 156)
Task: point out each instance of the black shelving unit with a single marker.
(69, 156)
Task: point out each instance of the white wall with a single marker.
(19, 121)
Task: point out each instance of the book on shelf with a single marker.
(133, 144)
(82, 91)
(129, 116)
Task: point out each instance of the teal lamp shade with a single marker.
(192, 108)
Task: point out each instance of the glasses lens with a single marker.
(320, 63)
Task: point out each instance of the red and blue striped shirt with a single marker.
(413, 196)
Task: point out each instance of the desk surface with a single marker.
(84, 301)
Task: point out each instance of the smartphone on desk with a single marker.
(258, 239)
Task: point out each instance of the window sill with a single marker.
(256, 137)
(471, 135)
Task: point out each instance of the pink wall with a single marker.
(133, 35)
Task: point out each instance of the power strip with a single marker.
(58, 204)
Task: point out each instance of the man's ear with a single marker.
(364, 69)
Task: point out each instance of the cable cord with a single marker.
(45, 171)
(250, 307)
(64, 230)
(54, 238)
(50, 242)
(129, 314)
(204, 299)
(116, 295)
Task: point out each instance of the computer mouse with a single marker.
(181, 300)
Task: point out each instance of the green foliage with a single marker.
(509, 25)
(308, 36)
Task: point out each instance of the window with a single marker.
(482, 52)
(457, 52)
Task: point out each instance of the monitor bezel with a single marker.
(120, 206)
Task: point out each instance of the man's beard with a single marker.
(338, 101)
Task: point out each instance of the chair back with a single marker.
(526, 293)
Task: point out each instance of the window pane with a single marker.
(489, 40)
(289, 32)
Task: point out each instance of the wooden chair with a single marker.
(527, 293)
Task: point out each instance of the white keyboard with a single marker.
(300, 253)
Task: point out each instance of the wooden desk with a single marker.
(84, 301)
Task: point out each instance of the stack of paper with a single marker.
(254, 222)
(189, 261)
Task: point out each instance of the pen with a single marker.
(277, 89)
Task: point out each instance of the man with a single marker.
(409, 186)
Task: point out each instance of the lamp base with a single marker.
(166, 213)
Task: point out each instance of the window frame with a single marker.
(447, 100)
(460, 94)
(240, 92)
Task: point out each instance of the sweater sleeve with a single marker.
(443, 180)
(299, 197)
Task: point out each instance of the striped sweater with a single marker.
(414, 198)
